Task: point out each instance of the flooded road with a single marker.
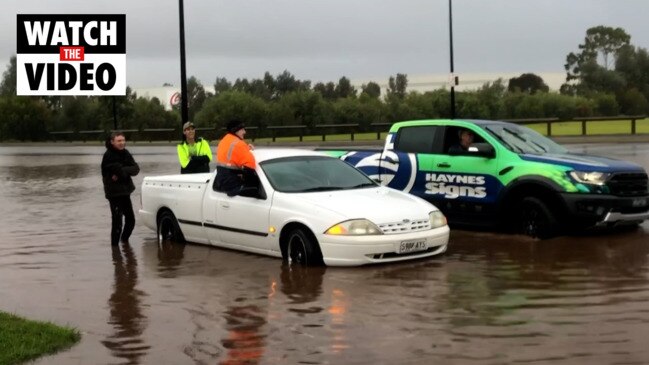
(492, 299)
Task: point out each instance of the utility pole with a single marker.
(183, 73)
(114, 114)
(452, 77)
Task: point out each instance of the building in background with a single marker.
(169, 96)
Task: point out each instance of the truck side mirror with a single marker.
(482, 149)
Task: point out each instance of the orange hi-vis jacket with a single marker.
(233, 152)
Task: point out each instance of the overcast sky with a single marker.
(322, 40)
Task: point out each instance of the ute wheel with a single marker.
(168, 229)
(302, 249)
(536, 220)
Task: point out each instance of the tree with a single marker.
(372, 89)
(328, 91)
(195, 96)
(242, 85)
(633, 64)
(491, 95)
(258, 88)
(633, 102)
(222, 85)
(218, 110)
(308, 107)
(357, 110)
(601, 42)
(151, 114)
(124, 110)
(270, 84)
(344, 88)
(605, 41)
(285, 83)
(397, 86)
(528, 83)
(8, 85)
(23, 118)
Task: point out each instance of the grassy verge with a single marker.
(609, 127)
(593, 128)
(22, 339)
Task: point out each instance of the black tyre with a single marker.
(535, 219)
(302, 249)
(168, 229)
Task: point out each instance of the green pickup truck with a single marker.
(509, 176)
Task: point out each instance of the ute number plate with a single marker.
(411, 246)
(639, 202)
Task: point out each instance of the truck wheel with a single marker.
(168, 228)
(536, 219)
(302, 249)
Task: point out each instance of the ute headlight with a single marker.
(592, 178)
(437, 219)
(354, 227)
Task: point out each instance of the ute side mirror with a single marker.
(481, 149)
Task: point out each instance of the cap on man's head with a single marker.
(188, 125)
(235, 125)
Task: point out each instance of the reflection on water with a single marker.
(126, 315)
(492, 299)
(245, 341)
(170, 256)
(302, 284)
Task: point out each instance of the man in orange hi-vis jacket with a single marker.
(233, 158)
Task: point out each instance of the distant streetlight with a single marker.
(452, 76)
(183, 73)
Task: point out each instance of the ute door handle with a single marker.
(444, 165)
(225, 205)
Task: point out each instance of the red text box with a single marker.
(71, 54)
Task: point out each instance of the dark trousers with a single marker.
(121, 206)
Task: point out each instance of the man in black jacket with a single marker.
(117, 167)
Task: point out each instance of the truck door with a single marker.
(408, 155)
(464, 184)
(238, 221)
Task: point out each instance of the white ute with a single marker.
(306, 207)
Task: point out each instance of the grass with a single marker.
(22, 340)
(371, 136)
(593, 128)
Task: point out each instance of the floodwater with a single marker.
(492, 299)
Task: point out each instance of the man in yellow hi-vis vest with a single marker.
(233, 158)
(194, 154)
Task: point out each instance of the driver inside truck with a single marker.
(465, 140)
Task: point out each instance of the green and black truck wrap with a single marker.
(510, 175)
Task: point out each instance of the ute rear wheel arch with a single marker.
(302, 248)
(168, 228)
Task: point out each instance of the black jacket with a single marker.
(197, 164)
(122, 165)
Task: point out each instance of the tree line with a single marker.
(606, 76)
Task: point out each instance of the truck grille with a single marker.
(628, 184)
(404, 227)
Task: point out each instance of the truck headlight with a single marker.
(354, 227)
(592, 178)
(437, 219)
